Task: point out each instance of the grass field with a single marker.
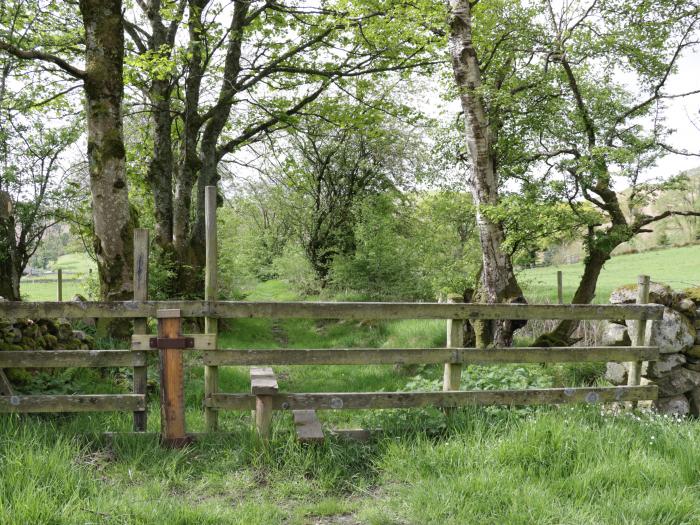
(485, 466)
(74, 266)
(678, 267)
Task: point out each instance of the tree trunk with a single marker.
(9, 269)
(498, 282)
(104, 89)
(160, 168)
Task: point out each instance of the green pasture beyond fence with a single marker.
(264, 397)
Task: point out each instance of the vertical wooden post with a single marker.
(639, 335)
(211, 373)
(140, 324)
(172, 388)
(452, 375)
(59, 285)
(560, 287)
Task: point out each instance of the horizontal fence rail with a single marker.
(383, 400)
(73, 403)
(71, 358)
(389, 356)
(329, 310)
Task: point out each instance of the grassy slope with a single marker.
(494, 465)
(678, 267)
(74, 265)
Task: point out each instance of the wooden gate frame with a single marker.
(453, 356)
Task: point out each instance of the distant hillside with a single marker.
(672, 231)
(678, 267)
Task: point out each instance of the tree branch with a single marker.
(46, 57)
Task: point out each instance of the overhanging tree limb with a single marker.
(46, 57)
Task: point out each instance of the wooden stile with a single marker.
(308, 426)
(211, 373)
(263, 385)
(172, 395)
(140, 381)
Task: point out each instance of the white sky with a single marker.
(683, 115)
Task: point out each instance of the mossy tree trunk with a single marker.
(104, 88)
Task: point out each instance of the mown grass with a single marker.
(491, 465)
(678, 267)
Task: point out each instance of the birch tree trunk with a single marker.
(498, 282)
(104, 89)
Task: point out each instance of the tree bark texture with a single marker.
(104, 89)
(498, 282)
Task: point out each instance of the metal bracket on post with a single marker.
(171, 342)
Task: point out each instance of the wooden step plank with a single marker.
(366, 356)
(382, 400)
(263, 381)
(308, 426)
(74, 403)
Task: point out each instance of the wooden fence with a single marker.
(171, 344)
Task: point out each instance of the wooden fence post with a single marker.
(560, 287)
(639, 336)
(453, 371)
(59, 285)
(172, 387)
(211, 373)
(140, 379)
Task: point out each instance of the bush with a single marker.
(294, 267)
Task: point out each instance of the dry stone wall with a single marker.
(677, 372)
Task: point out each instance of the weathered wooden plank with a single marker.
(140, 376)
(308, 426)
(635, 367)
(71, 358)
(381, 400)
(387, 356)
(172, 388)
(5, 385)
(211, 290)
(263, 381)
(329, 310)
(355, 434)
(201, 342)
(452, 372)
(73, 403)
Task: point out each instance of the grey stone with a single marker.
(693, 366)
(615, 335)
(687, 307)
(658, 294)
(678, 381)
(694, 398)
(672, 334)
(616, 373)
(79, 335)
(665, 364)
(673, 405)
